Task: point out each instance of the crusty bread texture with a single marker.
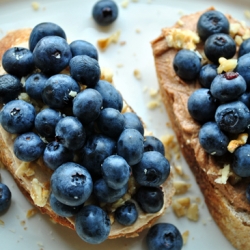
(226, 202)
(33, 178)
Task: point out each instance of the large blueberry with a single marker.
(106, 194)
(34, 85)
(241, 161)
(212, 22)
(152, 170)
(132, 121)
(219, 45)
(212, 139)
(85, 70)
(55, 154)
(17, 116)
(151, 143)
(187, 64)
(244, 48)
(71, 184)
(81, 47)
(92, 224)
(10, 88)
(105, 12)
(227, 87)
(18, 61)
(45, 122)
(233, 117)
(110, 95)
(242, 68)
(52, 54)
(150, 199)
(130, 146)
(95, 151)
(126, 214)
(111, 122)
(28, 147)
(164, 236)
(5, 197)
(70, 133)
(59, 91)
(115, 171)
(202, 105)
(62, 209)
(207, 74)
(87, 105)
(44, 29)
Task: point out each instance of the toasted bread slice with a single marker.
(226, 202)
(33, 178)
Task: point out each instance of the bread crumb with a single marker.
(180, 206)
(119, 65)
(22, 222)
(181, 187)
(137, 74)
(185, 237)
(181, 12)
(193, 212)
(35, 6)
(153, 92)
(122, 43)
(31, 212)
(224, 175)
(234, 144)
(105, 42)
(124, 3)
(1, 222)
(226, 65)
(170, 143)
(153, 104)
(180, 22)
(247, 14)
(138, 31)
(106, 74)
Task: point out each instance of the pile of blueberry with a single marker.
(222, 104)
(74, 122)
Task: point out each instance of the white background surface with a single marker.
(75, 18)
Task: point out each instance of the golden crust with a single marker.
(227, 203)
(20, 38)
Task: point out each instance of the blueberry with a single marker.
(58, 89)
(126, 214)
(164, 236)
(17, 116)
(45, 122)
(10, 88)
(219, 45)
(248, 193)
(105, 12)
(132, 121)
(227, 87)
(242, 68)
(152, 170)
(52, 54)
(151, 143)
(202, 105)
(245, 98)
(62, 209)
(106, 194)
(212, 139)
(71, 184)
(55, 154)
(233, 117)
(92, 224)
(95, 151)
(115, 171)
(207, 74)
(244, 48)
(34, 85)
(187, 64)
(5, 197)
(111, 122)
(212, 22)
(85, 70)
(130, 146)
(70, 133)
(241, 161)
(18, 61)
(28, 147)
(150, 199)
(87, 105)
(111, 96)
(44, 29)
(81, 47)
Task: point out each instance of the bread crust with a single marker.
(42, 173)
(227, 203)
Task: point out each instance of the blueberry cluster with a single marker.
(222, 105)
(74, 121)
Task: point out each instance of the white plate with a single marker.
(145, 16)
